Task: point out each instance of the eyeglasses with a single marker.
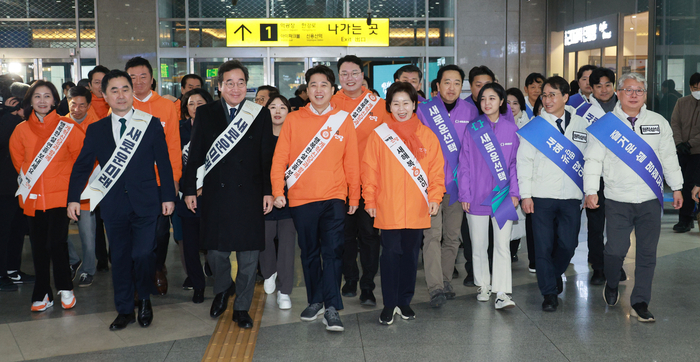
(260, 99)
(354, 74)
(638, 92)
(550, 95)
(231, 84)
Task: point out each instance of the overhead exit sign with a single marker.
(212, 73)
(306, 32)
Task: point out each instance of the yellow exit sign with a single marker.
(307, 32)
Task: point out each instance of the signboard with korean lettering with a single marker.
(592, 34)
(306, 32)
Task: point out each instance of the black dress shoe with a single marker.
(560, 285)
(198, 296)
(243, 319)
(598, 277)
(367, 298)
(102, 266)
(145, 313)
(611, 295)
(469, 281)
(683, 227)
(218, 306)
(122, 321)
(550, 303)
(349, 289)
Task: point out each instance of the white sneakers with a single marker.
(503, 301)
(270, 284)
(283, 301)
(42, 305)
(484, 293)
(67, 299)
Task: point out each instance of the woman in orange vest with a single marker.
(403, 184)
(43, 150)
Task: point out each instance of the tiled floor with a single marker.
(583, 329)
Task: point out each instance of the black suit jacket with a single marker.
(231, 204)
(136, 189)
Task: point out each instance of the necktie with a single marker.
(123, 128)
(632, 120)
(232, 114)
(559, 125)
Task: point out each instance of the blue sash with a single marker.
(624, 143)
(556, 147)
(590, 113)
(440, 123)
(576, 100)
(529, 112)
(487, 143)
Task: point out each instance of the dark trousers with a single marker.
(360, 231)
(399, 263)
(132, 250)
(530, 239)
(551, 262)
(320, 227)
(13, 226)
(245, 278)
(48, 234)
(190, 245)
(101, 251)
(688, 164)
(645, 219)
(279, 259)
(596, 226)
(162, 239)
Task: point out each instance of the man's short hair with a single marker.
(480, 70)
(229, 66)
(84, 82)
(350, 58)
(434, 85)
(583, 69)
(67, 85)
(184, 80)
(557, 83)
(601, 72)
(634, 76)
(694, 79)
(272, 90)
(408, 68)
(97, 69)
(79, 91)
(321, 69)
(669, 84)
(534, 78)
(447, 67)
(115, 73)
(138, 61)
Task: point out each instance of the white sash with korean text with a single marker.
(314, 148)
(362, 110)
(228, 139)
(405, 157)
(120, 158)
(42, 160)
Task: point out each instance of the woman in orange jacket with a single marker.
(403, 184)
(43, 150)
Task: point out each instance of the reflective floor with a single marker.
(582, 329)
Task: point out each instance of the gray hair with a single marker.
(634, 76)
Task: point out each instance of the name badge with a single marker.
(651, 129)
(580, 137)
(461, 121)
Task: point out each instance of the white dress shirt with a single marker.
(116, 125)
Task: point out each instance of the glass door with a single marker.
(57, 71)
(288, 74)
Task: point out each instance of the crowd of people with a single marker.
(344, 173)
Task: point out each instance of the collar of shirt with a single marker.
(150, 93)
(328, 109)
(228, 107)
(79, 121)
(116, 125)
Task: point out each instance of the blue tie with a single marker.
(232, 114)
(559, 125)
(123, 128)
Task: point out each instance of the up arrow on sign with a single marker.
(242, 29)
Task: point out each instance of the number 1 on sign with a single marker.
(269, 31)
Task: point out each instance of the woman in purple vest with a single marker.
(487, 165)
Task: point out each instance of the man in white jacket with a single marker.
(631, 203)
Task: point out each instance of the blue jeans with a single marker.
(86, 230)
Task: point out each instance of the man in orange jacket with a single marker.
(316, 157)
(150, 102)
(98, 106)
(367, 112)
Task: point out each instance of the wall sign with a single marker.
(592, 34)
(306, 32)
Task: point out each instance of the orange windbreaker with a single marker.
(51, 188)
(98, 107)
(178, 106)
(89, 119)
(335, 172)
(372, 121)
(164, 109)
(387, 187)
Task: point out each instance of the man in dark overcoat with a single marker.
(229, 163)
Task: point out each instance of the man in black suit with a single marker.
(233, 177)
(126, 189)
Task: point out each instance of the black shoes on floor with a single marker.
(122, 321)
(550, 304)
(349, 289)
(243, 319)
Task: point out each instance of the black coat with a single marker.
(8, 174)
(231, 209)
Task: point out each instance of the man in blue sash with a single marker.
(533, 89)
(584, 85)
(447, 116)
(549, 175)
(634, 152)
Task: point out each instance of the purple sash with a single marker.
(501, 208)
(440, 123)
